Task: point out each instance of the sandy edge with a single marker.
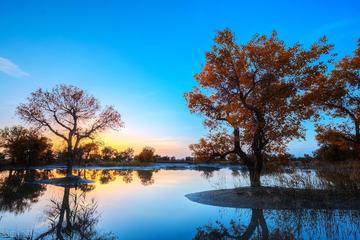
(278, 198)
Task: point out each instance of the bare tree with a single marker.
(69, 113)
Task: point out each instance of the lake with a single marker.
(151, 204)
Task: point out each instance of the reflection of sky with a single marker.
(142, 57)
(160, 210)
(133, 210)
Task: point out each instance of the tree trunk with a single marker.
(357, 141)
(255, 169)
(236, 140)
(69, 168)
(254, 177)
(70, 159)
(29, 162)
(254, 163)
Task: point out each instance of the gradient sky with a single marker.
(140, 56)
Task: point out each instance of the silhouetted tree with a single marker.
(89, 150)
(25, 146)
(125, 156)
(108, 153)
(255, 89)
(146, 155)
(69, 113)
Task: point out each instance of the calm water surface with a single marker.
(143, 204)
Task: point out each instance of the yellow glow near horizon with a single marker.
(125, 139)
(163, 146)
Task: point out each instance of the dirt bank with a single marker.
(278, 198)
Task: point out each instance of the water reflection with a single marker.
(73, 217)
(17, 191)
(146, 177)
(285, 224)
(107, 176)
(137, 203)
(16, 194)
(236, 230)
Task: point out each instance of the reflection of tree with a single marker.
(127, 175)
(145, 176)
(257, 225)
(207, 173)
(286, 224)
(73, 218)
(105, 176)
(87, 187)
(16, 193)
(319, 223)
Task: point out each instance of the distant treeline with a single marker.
(23, 146)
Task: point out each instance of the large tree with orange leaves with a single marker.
(255, 89)
(338, 95)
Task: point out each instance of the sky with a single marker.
(141, 56)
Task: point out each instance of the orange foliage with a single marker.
(256, 90)
(212, 148)
(338, 95)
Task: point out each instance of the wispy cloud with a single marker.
(335, 26)
(11, 69)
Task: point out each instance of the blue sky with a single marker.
(140, 56)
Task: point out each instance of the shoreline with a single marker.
(278, 198)
(149, 166)
(165, 166)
